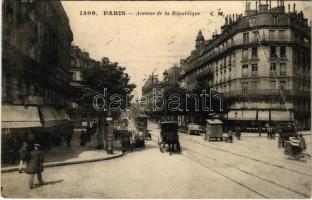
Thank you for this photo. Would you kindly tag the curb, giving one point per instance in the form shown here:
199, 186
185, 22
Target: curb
56, 164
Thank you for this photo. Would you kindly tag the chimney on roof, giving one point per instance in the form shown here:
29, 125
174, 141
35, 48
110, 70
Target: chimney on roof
270, 4
256, 6
288, 8
294, 7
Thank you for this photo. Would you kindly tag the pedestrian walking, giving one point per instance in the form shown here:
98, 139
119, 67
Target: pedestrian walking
69, 136
273, 130
23, 155
83, 138
230, 136
35, 165
88, 134
269, 131
238, 133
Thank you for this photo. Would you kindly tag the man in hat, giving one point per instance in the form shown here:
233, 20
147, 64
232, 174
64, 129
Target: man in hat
23, 153
35, 165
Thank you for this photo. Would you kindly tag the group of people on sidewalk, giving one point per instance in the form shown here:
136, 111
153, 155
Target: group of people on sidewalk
271, 132
85, 136
237, 134
31, 162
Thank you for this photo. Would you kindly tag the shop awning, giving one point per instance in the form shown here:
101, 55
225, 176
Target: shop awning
281, 115
233, 116
53, 117
20, 117
249, 115
61, 114
242, 115
263, 115
49, 119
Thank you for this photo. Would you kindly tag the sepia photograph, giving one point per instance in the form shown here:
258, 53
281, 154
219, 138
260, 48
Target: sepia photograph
156, 99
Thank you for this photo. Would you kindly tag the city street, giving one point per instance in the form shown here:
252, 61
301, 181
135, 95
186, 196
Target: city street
251, 168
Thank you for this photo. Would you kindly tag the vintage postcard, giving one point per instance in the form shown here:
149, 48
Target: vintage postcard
156, 99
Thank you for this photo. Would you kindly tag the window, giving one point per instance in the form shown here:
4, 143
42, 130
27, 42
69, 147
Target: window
246, 38
283, 69
245, 70
282, 85
273, 69
254, 85
245, 54
283, 52
281, 34
254, 67
275, 20
271, 34
273, 52
272, 84
254, 53
245, 87
255, 36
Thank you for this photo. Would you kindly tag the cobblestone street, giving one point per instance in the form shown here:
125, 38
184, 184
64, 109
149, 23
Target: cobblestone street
251, 168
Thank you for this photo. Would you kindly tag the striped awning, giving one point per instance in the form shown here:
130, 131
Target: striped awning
19, 116
282, 115
242, 115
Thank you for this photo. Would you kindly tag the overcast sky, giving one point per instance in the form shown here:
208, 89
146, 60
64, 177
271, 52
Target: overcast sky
143, 44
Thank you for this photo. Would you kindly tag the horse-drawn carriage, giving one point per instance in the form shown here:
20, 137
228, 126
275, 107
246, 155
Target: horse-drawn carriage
286, 130
169, 137
141, 125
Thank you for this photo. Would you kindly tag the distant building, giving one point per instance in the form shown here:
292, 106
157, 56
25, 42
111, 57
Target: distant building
80, 61
261, 64
36, 56
151, 88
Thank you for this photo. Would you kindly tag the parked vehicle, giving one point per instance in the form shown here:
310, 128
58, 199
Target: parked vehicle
193, 129
293, 148
125, 138
286, 130
214, 130
169, 137
141, 124
138, 138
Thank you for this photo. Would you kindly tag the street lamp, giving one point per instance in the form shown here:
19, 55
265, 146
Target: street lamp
165, 74
235, 120
109, 121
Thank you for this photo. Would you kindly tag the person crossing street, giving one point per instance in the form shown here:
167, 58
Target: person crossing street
35, 165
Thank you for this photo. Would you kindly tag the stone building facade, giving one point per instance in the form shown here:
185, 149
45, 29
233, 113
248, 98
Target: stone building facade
36, 58
260, 62
80, 61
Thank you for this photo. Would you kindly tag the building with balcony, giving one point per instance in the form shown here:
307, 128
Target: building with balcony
261, 62
36, 49
81, 61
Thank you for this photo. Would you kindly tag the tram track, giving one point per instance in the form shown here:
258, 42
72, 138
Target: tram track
250, 173
203, 162
248, 157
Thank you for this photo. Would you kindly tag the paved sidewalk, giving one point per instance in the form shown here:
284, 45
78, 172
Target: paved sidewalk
58, 156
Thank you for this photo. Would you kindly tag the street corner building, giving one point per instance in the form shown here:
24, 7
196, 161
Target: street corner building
260, 62
36, 64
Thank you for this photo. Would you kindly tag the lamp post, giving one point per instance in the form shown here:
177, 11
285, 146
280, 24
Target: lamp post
109, 121
165, 74
235, 120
